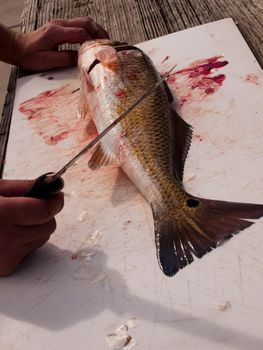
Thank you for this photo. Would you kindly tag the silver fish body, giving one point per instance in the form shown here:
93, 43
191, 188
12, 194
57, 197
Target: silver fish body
151, 146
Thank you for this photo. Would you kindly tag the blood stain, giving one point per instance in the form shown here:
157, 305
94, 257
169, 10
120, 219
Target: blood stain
252, 78
120, 93
196, 81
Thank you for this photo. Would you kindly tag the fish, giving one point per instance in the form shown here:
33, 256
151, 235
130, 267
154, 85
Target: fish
151, 146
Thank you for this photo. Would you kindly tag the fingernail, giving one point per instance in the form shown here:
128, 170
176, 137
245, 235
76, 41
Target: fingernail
94, 26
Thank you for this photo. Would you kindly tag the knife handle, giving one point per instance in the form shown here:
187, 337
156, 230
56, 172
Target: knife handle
45, 186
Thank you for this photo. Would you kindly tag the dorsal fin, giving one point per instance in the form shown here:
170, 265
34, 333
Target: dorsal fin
182, 140
101, 156
86, 87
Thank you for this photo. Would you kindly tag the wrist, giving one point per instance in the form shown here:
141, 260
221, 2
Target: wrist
18, 48
11, 44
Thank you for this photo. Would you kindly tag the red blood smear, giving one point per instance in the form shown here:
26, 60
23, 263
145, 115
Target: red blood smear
59, 137
53, 114
120, 93
252, 78
198, 77
171, 78
209, 90
197, 137
218, 79
207, 81
37, 100
204, 69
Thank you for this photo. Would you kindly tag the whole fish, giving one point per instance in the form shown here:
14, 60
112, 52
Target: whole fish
151, 146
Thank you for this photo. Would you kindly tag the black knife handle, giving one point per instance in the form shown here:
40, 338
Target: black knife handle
45, 186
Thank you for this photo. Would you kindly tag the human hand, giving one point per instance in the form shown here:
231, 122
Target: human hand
25, 223
38, 50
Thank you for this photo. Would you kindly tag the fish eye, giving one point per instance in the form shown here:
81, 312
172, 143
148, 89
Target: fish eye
192, 203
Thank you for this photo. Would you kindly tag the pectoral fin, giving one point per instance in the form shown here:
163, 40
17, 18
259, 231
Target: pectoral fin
86, 87
101, 157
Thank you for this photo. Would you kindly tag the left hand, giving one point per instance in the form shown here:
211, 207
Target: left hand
38, 50
25, 223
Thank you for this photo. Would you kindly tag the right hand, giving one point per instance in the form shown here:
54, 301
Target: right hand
25, 223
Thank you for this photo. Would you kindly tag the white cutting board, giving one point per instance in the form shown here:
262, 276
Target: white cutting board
97, 273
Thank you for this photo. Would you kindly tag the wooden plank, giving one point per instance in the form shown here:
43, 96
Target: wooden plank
6, 116
138, 20
247, 15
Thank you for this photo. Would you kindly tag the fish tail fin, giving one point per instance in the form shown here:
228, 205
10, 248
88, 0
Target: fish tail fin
200, 226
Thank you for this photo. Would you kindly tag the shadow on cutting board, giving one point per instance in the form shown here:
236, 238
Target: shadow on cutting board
55, 290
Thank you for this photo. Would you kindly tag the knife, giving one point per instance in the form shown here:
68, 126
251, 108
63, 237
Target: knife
50, 183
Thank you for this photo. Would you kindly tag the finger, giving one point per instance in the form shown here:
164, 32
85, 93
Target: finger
29, 234
56, 59
10, 262
52, 59
30, 211
12, 188
57, 35
94, 29
36, 244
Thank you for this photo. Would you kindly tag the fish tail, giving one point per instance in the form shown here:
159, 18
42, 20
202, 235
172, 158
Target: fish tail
197, 228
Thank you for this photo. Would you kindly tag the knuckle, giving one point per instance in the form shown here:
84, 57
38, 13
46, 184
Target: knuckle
83, 19
47, 229
50, 28
52, 227
88, 19
52, 206
55, 21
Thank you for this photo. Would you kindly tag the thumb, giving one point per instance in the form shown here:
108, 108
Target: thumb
63, 58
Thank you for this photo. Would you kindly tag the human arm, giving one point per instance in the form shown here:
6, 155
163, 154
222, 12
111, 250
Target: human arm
25, 223
38, 50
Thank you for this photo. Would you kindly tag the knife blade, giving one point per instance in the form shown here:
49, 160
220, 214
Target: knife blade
50, 183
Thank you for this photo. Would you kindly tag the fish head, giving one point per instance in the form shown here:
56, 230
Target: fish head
99, 50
